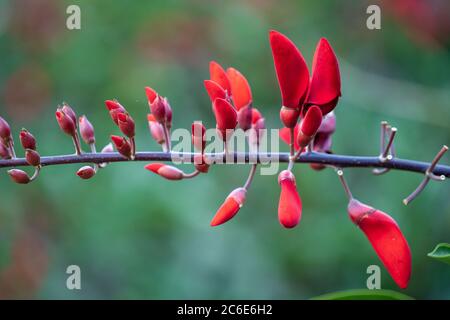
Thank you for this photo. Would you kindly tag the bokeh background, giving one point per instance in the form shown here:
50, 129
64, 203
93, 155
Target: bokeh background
135, 235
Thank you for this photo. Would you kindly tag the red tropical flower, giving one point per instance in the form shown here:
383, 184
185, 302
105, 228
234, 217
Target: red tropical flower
240, 89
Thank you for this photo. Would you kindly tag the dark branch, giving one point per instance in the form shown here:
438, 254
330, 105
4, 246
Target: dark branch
343, 161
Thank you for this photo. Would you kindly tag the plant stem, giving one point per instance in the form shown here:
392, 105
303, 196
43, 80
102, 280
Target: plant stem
251, 175
340, 174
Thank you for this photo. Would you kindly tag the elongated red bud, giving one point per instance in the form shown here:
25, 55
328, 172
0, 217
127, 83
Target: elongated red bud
19, 176
325, 88
200, 163
126, 124
27, 140
158, 109
290, 204
4, 152
289, 116
214, 90
156, 129
86, 130
65, 122
230, 207
5, 130
240, 89
386, 239
226, 117
244, 117
165, 171
33, 158
68, 111
219, 76
309, 126
285, 135
114, 108
291, 69
122, 146
151, 94
86, 172
198, 132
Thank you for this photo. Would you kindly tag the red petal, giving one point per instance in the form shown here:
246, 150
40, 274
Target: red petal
240, 89
386, 239
154, 167
311, 122
218, 75
292, 71
285, 135
151, 118
326, 80
214, 90
226, 211
151, 94
226, 116
290, 204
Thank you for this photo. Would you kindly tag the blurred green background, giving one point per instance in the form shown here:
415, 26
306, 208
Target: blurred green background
135, 235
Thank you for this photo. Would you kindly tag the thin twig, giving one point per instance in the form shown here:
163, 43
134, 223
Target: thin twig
340, 174
385, 154
251, 175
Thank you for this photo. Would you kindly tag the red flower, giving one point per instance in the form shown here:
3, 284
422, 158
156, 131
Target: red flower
290, 204
292, 71
230, 207
70, 113
226, 117
65, 122
126, 124
219, 76
325, 88
214, 90
33, 158
122, 146
114, 108
151, 94
156, 129
309, 126
386, 239
240, 89
86, 130
27, 140
165, 171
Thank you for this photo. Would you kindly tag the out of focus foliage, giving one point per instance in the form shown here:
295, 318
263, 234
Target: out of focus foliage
135, 235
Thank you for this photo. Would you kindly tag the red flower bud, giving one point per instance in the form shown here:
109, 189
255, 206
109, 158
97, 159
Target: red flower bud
86, 172
5, 130
168, 113
198, 132
240, 89
309, 126
285, 135
68, 111
156, 129
292, 71
325, 88
218, 75
214, 90
19, 176
122, 146
328, 125
290, 204
200, 163
256, 115
27, 140
226, 117
126, 124
244, 117
65, 122
151, 94
114, 108
158, 109
33, 158
165, 171
230, 207
4, 152
289, 116
386, 239
86, 130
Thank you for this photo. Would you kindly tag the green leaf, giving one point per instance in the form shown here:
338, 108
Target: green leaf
364, 294
441, 253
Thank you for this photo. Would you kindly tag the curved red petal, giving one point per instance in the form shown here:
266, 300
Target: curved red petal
154, 167
214, 90
386, 238
240, 89
218, 75
311, 122
151, 94
326, 80
226, 116
292, 71
226, 211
